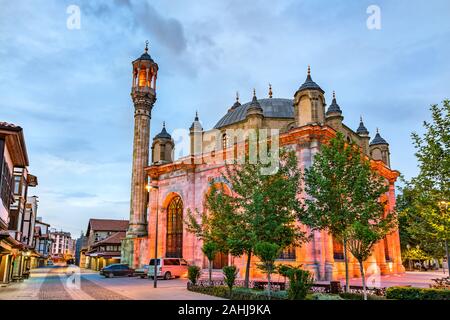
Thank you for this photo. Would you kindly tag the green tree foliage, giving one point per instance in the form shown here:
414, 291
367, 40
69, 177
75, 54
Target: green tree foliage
230, 274
194, 273
210, 250
342, 190
364, 234
300, 281
425, 200
261, 208
267, 252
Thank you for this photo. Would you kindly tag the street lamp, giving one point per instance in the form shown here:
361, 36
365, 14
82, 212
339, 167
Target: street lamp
443, 205
155, 274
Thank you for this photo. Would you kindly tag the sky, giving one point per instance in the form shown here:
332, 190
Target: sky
69, 88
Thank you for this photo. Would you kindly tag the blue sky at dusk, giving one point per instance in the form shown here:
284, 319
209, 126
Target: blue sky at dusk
70, 89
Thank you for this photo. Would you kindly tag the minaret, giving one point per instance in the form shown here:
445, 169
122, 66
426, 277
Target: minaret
143, 94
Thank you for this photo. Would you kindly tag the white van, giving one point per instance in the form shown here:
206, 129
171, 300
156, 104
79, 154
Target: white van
168, 268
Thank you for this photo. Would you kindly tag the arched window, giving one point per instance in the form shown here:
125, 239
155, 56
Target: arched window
224, 141
338, 250
174, 239
386, 250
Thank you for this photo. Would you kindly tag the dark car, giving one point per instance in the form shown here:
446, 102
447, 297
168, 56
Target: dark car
117, 270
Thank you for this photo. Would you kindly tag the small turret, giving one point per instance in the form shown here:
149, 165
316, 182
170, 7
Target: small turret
334, 116
309, 103
255, 113
379, 149
364, 135
162, 147
196, 136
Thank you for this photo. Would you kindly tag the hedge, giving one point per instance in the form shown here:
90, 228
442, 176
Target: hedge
359, 296
410, 293
237, 293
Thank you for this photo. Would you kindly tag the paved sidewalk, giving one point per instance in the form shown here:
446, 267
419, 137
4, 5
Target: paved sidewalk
70, 283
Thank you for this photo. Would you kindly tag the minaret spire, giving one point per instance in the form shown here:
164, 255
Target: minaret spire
146, 46
270, 91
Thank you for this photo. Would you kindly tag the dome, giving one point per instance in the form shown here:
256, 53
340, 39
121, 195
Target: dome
309, 84
271, 107
145, 56
378, 140
362, 130
334, 107
163, 134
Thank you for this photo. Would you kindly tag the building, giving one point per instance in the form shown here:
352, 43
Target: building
42, 243
16, 227
103, 243
62, 247
80, 244
303, 123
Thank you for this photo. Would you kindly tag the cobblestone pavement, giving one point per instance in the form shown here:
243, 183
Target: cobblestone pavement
52, 288
70, 283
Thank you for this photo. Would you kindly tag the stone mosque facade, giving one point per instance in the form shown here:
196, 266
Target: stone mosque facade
304, 123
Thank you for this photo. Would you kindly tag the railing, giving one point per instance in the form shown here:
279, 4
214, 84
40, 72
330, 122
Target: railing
280, 286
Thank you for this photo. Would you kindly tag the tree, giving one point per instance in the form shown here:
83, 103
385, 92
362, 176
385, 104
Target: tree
267, 252
342, 189
433, 181
417, 237
364, 234
230, 274
300, 281
210, 250
262, 208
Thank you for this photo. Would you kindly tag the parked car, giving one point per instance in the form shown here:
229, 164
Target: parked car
117, 270
168, 268
49, 263
142, 272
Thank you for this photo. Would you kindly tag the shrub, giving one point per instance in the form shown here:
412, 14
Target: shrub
193, 274
300, 281
323, 296
411, 293
230, 274
237, 293
359, 296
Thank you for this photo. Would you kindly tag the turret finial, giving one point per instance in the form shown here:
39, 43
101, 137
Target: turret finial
360, 119
254, 93
146, 46
378, 130
237, 96
270, 91
334, 94
164, 124
309, 70
196, 115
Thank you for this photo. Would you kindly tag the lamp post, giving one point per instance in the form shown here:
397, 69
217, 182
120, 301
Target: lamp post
443, 205
155, 274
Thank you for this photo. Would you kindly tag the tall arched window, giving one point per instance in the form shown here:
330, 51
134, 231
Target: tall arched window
174, 240
338, 250
225, 141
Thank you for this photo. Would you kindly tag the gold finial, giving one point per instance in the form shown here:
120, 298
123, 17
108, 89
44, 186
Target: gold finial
270, 91
237, 96
309, 70
146, 46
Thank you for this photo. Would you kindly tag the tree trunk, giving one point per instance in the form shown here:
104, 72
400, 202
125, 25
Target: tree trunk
347, 284
363, 277
210, 272
247, 269
448, 257
268, 283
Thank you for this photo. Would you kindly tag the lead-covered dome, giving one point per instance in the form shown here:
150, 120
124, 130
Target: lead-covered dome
272, 108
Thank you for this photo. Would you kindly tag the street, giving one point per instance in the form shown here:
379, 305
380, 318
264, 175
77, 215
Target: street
59, 283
